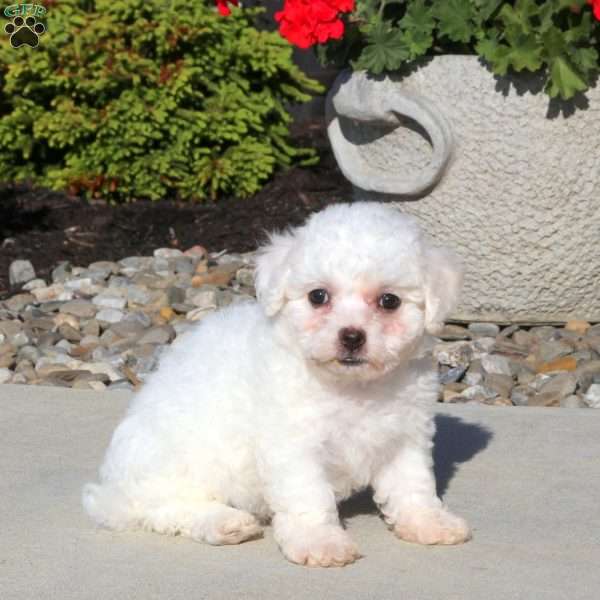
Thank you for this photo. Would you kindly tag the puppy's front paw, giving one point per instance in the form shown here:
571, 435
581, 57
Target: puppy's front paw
320, 546
432, 526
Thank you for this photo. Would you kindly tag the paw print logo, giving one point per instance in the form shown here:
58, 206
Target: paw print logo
24, 31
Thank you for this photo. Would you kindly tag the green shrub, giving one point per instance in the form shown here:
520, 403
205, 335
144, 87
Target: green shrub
142, 99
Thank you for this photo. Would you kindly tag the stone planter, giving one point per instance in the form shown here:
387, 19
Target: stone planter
489, 167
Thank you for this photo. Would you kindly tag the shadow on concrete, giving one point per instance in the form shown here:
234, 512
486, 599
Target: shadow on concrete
359, 504
456, 441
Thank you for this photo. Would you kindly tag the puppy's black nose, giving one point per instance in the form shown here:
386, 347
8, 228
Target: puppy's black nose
351, 338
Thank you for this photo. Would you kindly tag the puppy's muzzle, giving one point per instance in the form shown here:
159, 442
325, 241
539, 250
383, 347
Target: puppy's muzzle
352, 339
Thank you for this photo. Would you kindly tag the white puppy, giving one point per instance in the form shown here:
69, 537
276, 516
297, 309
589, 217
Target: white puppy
279, 409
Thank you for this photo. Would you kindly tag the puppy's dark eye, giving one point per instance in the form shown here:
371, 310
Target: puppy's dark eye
318, 297
389, 301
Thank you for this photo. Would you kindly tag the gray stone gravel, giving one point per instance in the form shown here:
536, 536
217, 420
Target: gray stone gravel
521, 366
105, 326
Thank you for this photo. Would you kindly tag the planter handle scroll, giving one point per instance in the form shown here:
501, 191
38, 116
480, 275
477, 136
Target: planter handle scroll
356, 97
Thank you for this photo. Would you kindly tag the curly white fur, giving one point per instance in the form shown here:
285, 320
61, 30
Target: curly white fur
264, 412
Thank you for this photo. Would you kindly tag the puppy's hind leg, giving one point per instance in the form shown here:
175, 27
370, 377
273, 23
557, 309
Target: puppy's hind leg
110, 506
191, 516
219, 524
211, 522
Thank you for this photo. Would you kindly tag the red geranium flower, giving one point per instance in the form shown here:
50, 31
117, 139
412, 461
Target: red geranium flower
223, 8
596, 6
308, 22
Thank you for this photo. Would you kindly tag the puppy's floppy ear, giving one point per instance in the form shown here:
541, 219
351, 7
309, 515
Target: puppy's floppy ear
442, 286
272, 271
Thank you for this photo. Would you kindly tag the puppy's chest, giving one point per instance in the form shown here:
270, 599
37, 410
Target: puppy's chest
357, 444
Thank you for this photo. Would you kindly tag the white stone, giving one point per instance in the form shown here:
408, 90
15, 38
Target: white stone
521, 395
198, 314
473, 378
496, 363
138, 318
20, 339
167, 253
572, 401
34, 284
133, 264
539, 380
89, 340
102, 367
79, 308
118, 281
483, 346
52, 293
20, 271
137, 294
29, 353
108, 300
592, 396
109, 315
245, 276
202, 298
157, 335
64, 318
563, 385
477, 392
64, 345
484, 329
97, 386
47, 366
5, 375
105, 267
161, 266
78, 284
454, 354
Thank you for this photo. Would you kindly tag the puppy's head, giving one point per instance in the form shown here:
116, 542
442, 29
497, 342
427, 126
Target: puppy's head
356, 287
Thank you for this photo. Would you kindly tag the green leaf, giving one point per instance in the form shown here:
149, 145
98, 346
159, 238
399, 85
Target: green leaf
581, 32
519, 17
525, 53
526, 47
417, 42
498, 55
455, 19
418, 17
386, 49
487, 7
367, 9
564, 80
417, 26
586, 60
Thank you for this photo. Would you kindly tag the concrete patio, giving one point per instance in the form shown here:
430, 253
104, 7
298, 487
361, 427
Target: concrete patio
527, 479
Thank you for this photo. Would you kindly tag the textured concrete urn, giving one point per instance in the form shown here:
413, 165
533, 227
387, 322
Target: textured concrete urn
489, 167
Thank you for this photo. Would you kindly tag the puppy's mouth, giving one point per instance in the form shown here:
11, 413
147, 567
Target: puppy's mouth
351, 361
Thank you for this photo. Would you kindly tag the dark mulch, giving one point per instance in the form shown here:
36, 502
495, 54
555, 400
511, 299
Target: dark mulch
48, 227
